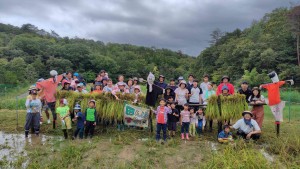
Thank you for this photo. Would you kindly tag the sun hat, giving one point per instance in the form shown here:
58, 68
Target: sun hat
64, 82
32, 88
77, 107
247, 112
225, 77
92, 101
121, 84
161, 76
76, 74
63, 101
137, 87
182, 82
98, 84
180, 78
53, 73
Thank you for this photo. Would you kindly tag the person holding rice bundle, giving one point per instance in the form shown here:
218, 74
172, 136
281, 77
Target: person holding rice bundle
34, 110
90, 119
64, 113
257, 110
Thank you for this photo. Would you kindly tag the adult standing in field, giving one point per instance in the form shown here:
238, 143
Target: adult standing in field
205, 83
258, 110
172, 84
195, 95
225, 82
181, 95
190, 82
161, 82
49, 87
34, 110
244, 90
247, 128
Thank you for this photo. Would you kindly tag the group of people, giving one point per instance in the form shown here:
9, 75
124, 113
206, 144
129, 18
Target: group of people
179, 104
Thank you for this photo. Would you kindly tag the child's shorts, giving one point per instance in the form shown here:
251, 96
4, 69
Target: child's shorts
172, 126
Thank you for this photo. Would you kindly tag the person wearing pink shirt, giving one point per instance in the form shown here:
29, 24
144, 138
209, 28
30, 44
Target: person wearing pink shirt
49, 90
225, 82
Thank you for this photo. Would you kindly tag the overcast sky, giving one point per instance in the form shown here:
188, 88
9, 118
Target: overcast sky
175, 24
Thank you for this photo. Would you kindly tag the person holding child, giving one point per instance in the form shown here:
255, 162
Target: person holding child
162, 112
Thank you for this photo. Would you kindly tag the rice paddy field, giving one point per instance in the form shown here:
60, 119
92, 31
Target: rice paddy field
135, 148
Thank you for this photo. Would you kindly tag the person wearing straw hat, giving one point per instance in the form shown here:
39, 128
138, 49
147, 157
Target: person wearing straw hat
34, 110
80, 118
256, 99
247, 128
181, 94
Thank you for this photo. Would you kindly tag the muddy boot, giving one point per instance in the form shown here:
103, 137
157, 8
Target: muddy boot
26, 134
65, 134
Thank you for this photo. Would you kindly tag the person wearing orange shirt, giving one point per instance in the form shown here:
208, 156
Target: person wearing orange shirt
98, 88
49, 87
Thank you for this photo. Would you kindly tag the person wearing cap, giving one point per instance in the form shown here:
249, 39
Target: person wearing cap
195, 94
181, 95
225, 135
64, 113
256, 99
98, 88
130, 86
162, 112
34, 111
173, 85
75, 81
169, 93
90, 119
161, 82
109, 87
80, 118
66, 85
180, 78
205, 83
80, 89
245, 90
225, 91
225, 82
208, 93
247, 128
48, 88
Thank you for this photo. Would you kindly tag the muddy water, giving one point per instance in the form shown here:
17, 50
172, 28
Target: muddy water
12, 148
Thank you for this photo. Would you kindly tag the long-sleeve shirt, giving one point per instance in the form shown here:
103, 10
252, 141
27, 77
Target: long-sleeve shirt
33, 106
162, 114
49, 88
273, 92
230, 87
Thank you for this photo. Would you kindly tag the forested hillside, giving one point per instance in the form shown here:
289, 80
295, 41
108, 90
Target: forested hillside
267, 45
28, 53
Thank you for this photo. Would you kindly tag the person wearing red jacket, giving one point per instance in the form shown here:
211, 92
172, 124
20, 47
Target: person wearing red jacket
225, 82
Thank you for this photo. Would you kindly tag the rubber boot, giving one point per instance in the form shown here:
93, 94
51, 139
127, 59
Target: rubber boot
277, 128
65, 134
53, 124
26, 134
182, 136
187, 136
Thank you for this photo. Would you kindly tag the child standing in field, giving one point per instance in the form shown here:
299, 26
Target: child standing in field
193, 122
201, 120
257, 110
90, 119
80, 118
172, 119
161, 119
225, 136
64, 113
34, 107
185, 121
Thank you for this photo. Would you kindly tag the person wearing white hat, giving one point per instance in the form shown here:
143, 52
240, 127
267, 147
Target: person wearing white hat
181, 94
80, 89
80, 118
48, 88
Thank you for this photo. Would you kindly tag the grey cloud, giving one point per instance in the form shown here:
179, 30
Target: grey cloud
174, 24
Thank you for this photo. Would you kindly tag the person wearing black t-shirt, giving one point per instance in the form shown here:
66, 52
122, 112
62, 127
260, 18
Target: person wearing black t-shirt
245, 90
172, 120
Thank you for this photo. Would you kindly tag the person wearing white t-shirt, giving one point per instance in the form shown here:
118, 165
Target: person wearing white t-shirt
247, 127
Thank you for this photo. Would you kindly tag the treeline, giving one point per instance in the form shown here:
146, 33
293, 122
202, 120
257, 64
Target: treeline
267, 45
28, 53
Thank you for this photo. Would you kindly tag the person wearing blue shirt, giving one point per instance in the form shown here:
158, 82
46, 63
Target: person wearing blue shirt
161, 82
225, 136
80, 118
